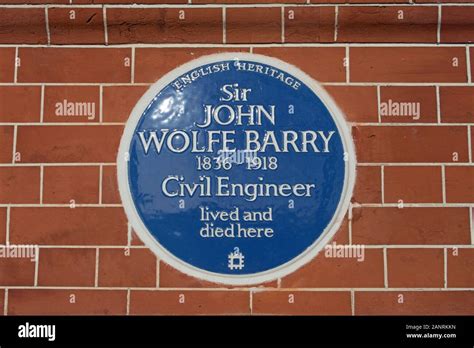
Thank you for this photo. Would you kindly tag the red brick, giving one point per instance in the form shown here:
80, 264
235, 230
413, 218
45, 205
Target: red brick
322, 63
6, 144
249, 2
128, 2
119, 101
457, 104
172, 278
7, 64
301, 303
413, 184
19, 184
253, 25
414, 303
457, 24
332, 272
309, 24
368, 187
34, 1
67, 144
402, 97
68, 103
387, 24
17, 271
342, 234
66, 226
74, 25
135, 239
460, 265
359, 103
3, 226
164, 25
407, 64
23, 25
127, 268
82, 65
56, 265
410, 144
432, 226
66, 184
415, 268
356, 1
110, 191
460, 184
153, 63
471, 54
20, 103
57, 302
195, 302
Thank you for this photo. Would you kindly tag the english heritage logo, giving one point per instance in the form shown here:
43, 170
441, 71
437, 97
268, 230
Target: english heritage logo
236, 168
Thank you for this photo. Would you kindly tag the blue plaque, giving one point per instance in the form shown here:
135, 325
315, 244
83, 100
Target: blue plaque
236, 168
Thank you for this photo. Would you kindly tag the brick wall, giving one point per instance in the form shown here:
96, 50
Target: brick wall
413, 203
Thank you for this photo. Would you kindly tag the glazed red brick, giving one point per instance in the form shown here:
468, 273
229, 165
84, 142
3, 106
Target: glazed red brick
460, 264
56, 265
129, 1
401, 226
20, 184
119, 101
110, 192
13, 107
77, 143
325, 64
414, 302
189, 302
359, 103
6, 144
413, 184
387, 24
457, 24
457, 104
71, 104
368, 186
7, 64
253, 25
127, 268
75, 25
301, 302
68, 226
415, 268
309, 24
408, 104
410, 144
23, 26
164, 25
152, 63
65, 302
408, 64
331, 272
460, 184
17, 271
81, 65
66, 184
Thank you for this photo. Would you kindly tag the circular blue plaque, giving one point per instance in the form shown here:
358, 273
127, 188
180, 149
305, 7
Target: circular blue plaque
236, 168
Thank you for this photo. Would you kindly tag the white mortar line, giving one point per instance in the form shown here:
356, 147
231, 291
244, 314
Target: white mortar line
348, 64
282, 23
438, 29
15, 135
101, 104
106, 33
385, 268
46, 16
352, 302
251, 301
468, 64
96, 275
17, 60
469, 143
382, 183
471, 218
5, 303
438, 104
224, 24
336, 22
41, 183
157, 273
42, 103
128, 301
7, 232
101, 174
443, 183
379, 117
37, 266
445, 252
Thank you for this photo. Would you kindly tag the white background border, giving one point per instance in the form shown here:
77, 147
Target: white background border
247, 279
